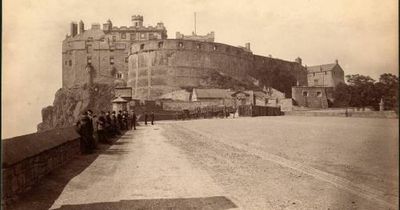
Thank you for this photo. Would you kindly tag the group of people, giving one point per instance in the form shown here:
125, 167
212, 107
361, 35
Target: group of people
106, 125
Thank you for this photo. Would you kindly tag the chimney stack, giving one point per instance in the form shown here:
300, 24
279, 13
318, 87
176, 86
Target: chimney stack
247, 45
298, 60
337, 61
74, 29
81, 27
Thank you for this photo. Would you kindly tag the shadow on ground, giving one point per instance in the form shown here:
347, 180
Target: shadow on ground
211, 203
44, 193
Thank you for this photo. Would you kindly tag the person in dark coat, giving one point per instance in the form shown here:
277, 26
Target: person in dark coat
145, 118
119, 118
92, 143
83, 127
114, 124
109, 132
133, 120
125, 120
101, 127
152, 117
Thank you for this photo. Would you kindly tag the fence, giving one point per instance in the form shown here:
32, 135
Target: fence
253, 111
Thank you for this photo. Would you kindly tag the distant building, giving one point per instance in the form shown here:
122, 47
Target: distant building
322, 80
205, 38
313, 97
101, 55
210, 94
327, 75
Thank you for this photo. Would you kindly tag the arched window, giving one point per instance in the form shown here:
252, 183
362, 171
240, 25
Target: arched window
180, 44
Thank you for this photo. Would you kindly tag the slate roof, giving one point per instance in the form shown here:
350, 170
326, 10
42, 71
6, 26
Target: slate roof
320, 68
212, 93
96, 34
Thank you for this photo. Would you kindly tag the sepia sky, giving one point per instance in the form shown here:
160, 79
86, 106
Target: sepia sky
362, 34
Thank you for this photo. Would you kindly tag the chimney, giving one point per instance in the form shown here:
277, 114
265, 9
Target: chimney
81, 27
74, 29
247, 45
298, 60
337, 61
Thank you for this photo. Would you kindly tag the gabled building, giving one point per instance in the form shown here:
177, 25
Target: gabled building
326, 75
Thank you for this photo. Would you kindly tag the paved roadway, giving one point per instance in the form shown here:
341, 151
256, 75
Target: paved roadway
246, 163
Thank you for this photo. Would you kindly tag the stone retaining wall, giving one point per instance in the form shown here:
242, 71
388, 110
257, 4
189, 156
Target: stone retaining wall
28, 158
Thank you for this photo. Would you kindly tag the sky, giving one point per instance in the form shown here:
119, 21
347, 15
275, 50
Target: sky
361, 34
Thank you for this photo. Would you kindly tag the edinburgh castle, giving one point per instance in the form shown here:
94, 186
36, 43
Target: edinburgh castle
142, 60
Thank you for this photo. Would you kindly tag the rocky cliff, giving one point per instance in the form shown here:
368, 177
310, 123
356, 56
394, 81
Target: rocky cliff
69, 102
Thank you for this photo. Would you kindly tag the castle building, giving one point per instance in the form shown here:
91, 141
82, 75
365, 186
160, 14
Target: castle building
327, 75
157, 67
100, 55
322, 80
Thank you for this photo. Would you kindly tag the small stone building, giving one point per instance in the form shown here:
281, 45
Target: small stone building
313, 97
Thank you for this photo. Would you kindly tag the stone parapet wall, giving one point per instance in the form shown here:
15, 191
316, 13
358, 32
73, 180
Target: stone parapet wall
27, 159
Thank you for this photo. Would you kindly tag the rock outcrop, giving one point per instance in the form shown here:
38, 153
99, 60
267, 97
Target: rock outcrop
70, 102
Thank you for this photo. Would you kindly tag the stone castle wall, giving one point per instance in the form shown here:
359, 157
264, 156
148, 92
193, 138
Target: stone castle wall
160, 66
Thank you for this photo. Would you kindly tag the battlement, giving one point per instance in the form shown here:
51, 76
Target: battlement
189, 45
137, 17
206, 38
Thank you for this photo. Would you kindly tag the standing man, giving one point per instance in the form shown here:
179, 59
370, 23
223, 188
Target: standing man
133, 122
145, 117
91, 130
120, 122
108, 125
83, 127
101, 126
152, 117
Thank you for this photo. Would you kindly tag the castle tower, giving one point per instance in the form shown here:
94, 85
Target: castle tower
74, 29
137, 20
81, 27
107, 26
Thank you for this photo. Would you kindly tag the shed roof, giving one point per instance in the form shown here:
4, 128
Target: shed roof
119, 100
212, 93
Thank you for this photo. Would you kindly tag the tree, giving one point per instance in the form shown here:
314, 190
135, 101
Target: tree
362, 90
388, 87
342, 95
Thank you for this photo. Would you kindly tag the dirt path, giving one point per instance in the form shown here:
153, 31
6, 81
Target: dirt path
260, 180
186, 165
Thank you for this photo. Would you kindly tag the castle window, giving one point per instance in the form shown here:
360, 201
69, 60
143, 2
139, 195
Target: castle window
70, 62
133, 37
119, 75
160, 44
319, 94
142, 46
326, 73
180, 44
151, 36
66, 62
313, 74
305, 93
198, 46
89, 60
215, 47
111, 59
123, 35
114, 38
142, 35
126, 59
